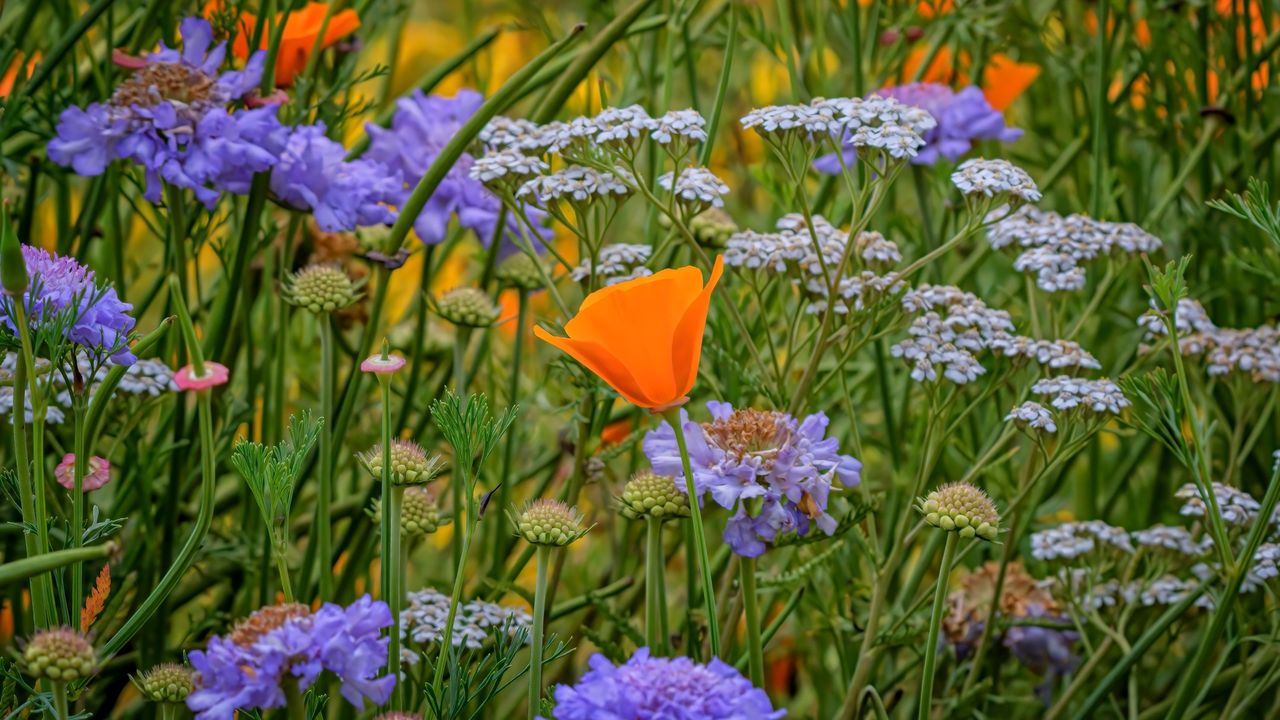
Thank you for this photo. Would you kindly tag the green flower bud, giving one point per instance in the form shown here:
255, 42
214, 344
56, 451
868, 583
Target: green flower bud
962, 508
410, 464
549, 522
13, 267
712, 227
468, 307
320, 289
419, 514
59, 654
649, 495
167, 683
520, 271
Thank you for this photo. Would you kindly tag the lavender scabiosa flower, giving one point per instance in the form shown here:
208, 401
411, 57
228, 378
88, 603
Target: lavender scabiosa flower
246, 669
63, 293
173, 117
789, 465
420, 129
962, 118
647, 688
313, 174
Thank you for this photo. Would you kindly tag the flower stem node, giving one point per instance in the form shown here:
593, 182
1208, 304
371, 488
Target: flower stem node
962, 508
651, 495
549, 522
468, 307
321, 289
59, 654
410, 463
166, 683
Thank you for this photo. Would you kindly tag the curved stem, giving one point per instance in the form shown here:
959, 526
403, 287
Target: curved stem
935, 623
699, 535
539, 624
751, 607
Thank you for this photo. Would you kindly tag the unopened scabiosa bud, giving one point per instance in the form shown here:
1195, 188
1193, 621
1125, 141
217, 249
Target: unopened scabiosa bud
166, 683
410, 464
59, 654
521, 272
419, 514
468, 307
549, 522
650, 495
961, 507
712, 227
320, 289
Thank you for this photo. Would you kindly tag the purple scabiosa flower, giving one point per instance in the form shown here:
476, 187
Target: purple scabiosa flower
648, 688
741, 455
172, 117
1045, 651
963, 117
246, 669
63, 292
313, 174
421, 127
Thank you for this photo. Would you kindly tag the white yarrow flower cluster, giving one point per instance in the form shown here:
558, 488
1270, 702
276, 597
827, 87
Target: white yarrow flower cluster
1166, 590
1266, 565
1055, 247
616, 263
422, 620
1237, 507
1072, 540
506, 167
696, 185
504, 133
1253, 351
575, 184
875, 249
951, 327
1097, 396
1032, 415
881, 126
1170, 537
995, 179
1056, 354
679, 126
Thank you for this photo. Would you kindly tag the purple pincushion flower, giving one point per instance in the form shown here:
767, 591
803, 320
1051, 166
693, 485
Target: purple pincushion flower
172, 118
962, 117
788, 466
247, 668
313, 174
62, 291
1043, 650
649, 688
420, 129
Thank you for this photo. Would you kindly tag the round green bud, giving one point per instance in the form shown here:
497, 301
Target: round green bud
167, 683
468, 307
59, 654
520, 271
657, 496
320, 289
419, 513
963, 508
712, 227
549, 522
410, 464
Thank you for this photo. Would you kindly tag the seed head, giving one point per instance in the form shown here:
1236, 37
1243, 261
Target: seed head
468, 307
650, 495
520, 271
712, 227
410, 464
59, 654
419, 513
320, 289
549, 522
961, 507
166, 683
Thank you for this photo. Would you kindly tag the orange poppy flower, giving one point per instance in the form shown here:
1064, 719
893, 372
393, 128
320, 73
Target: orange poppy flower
10, 76
616, 431
300, 31
1003, 78
643, 336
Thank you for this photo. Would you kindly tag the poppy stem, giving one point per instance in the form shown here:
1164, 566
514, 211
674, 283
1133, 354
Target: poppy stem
672, 416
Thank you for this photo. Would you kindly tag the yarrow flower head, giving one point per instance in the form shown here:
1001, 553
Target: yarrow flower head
648, 495
1172, 538
64, 295
166, 683
696, 188
97, 474
962, 508
1072, 540
998, 180
1032, 415
247, 668
423, 619
576, 185
1100, 397
410, 463
549, 522
174, 117
790, 466
59, 654
646, 688
615, 263
1236, 506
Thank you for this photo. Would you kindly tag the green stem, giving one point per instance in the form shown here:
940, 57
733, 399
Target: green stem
40, 510
60, 701
935, 623
324, 496
18, 419
77, 497
389, 510
539, 624
454, 600
699, 535
29, 567
461, 337
281, 555
751, 607
394, 598
654, 564
499, 548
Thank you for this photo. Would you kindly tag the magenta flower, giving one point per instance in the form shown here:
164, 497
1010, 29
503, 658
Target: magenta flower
214, 374
382, 364
98, 474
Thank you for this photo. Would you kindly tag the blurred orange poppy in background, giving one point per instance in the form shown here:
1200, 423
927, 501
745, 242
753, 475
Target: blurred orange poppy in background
643, 337
301, 29
10, 76
1003, 78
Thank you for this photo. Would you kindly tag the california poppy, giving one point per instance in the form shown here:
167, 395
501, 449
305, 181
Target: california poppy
643, 336
300, 31
1003, 78
10, 76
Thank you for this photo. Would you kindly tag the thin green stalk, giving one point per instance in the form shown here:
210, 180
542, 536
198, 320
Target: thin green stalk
935, 623
539, 624
509, 449
76, 540
395, 598
60, 701
699, 535
18, 420
29, 567
654, 563
461, 338
751, 607
324, 494
388, 530
38, 406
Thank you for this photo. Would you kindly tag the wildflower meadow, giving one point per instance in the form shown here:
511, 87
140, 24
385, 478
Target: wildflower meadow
640, 360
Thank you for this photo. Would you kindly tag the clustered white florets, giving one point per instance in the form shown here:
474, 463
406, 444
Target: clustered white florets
1032, 415
1069, 541
995, 179
1097, 396
1237, 507
696, 185
616, 263
1255, 351
883, 126
1054, 247
575, 184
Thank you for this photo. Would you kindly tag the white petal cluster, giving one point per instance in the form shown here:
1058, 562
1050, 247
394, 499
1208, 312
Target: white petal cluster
1252, 351
874, 124
616, 263
506, 166
1237, 507
696, 185
1166, 590
875, 249
951, 327
504, 133
422, 620
1072, 540
1056, 354
854, 293
1174, 538
1032, 415
1098, 396
575, 184
995, 178
677, 125
1055, 247
1266, 565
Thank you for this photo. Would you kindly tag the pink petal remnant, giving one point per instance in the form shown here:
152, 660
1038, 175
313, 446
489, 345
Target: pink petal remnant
214, 374
120, 58
382, 364
256, 100
97, 475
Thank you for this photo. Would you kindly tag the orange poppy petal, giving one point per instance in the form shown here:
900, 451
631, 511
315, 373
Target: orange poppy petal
1005, 79
686, 351
600, 361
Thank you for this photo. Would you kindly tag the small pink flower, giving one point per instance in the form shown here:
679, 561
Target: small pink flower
382, 364
214, 374
97, 474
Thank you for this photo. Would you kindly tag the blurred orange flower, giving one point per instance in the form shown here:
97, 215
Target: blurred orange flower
643, 337
1003, 78
10, 76
300, 32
